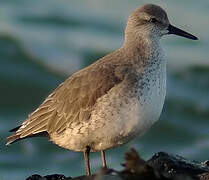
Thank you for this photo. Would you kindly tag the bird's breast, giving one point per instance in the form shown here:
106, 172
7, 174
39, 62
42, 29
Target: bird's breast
150, 96
129, 110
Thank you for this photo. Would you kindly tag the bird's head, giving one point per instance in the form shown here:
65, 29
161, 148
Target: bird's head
151, 21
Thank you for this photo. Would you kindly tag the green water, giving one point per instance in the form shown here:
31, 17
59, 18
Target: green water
44, 41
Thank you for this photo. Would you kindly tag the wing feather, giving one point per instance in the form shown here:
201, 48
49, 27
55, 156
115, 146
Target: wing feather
77, 96
71, 101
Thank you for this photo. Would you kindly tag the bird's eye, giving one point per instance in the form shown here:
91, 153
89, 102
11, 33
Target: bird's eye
153, 20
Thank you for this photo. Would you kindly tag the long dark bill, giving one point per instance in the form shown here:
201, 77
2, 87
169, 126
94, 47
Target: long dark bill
179, 32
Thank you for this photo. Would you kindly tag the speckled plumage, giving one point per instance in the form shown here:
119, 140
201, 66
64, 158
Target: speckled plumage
130, 107
109, 102
113, 100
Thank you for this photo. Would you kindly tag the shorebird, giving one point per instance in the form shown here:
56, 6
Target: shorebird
114, 99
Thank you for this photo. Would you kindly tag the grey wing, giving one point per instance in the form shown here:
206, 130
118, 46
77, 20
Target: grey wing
71, 101
76, 97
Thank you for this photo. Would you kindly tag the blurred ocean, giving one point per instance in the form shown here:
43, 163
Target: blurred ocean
44, 41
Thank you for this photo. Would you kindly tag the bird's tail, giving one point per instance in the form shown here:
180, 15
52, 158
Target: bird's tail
11, 139
34, 125
16, 137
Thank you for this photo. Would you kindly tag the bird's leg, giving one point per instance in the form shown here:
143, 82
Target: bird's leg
86, 158
104, 165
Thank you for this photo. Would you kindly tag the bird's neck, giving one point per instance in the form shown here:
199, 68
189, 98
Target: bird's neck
144, 47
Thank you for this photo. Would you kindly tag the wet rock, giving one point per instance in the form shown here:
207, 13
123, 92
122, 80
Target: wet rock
162, 166
48, 177
171, 165
34, 177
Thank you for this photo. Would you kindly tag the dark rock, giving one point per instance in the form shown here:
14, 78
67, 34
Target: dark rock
171, 165
34, 177
136, 168
56, 177
162, 166
48, 177
206, 163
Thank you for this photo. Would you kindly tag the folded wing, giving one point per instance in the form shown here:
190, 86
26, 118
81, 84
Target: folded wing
70, 101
